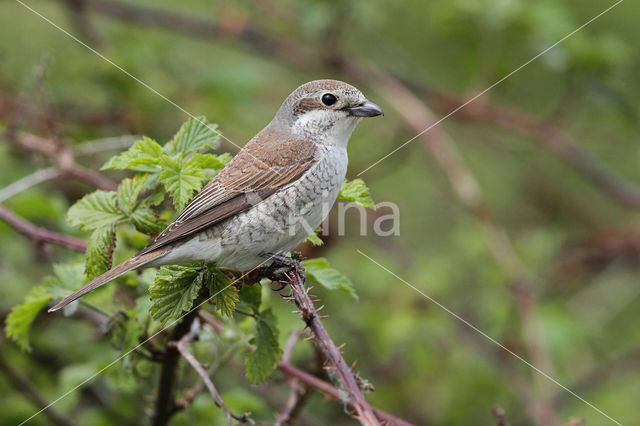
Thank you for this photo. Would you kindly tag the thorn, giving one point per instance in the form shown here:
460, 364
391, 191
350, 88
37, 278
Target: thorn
341, 346
297, 311
309, 289
308, 339
319, 309
323, 316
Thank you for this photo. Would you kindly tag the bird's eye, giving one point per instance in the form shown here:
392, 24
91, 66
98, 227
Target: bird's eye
328, 99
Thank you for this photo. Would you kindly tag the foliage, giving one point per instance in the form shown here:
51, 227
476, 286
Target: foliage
577, 241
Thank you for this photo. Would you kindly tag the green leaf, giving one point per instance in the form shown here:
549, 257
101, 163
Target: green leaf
356, 192
321, 272
251, 296
143, 156
194, 135
146, 221
210, 161
99, 251
129, 191
173, 291
314, 239
181, 179
264, 358
21, 317
67, 277
96, 210
223, 293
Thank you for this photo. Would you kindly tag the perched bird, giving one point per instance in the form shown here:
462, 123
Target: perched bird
271, 196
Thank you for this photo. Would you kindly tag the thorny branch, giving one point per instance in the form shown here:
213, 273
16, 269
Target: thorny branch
295, 278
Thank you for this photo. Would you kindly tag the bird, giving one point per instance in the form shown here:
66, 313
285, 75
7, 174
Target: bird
276, 190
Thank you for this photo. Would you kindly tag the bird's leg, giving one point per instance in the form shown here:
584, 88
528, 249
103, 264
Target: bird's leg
281, 266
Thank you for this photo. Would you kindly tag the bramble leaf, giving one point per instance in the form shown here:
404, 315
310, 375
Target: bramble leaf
210, 161
263, 359
67, 277
21, 317
96, 210
251, 296
129, 191
223, 293
314, 239
99, 251
146, 221
357, 192
194, 135
173, 291
320, 271
143, 156
181, 179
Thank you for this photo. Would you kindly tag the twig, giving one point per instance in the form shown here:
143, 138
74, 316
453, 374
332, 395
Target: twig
39, 234
164, 407
52, 149
332, 392
27, 182
470, 195
28, 390
310, 317
105, 144
181, 345
297, 393
556, 139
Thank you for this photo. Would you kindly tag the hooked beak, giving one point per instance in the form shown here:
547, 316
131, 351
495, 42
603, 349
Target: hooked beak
366, 109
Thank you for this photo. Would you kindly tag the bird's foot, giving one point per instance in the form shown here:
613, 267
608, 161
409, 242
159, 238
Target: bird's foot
279, 270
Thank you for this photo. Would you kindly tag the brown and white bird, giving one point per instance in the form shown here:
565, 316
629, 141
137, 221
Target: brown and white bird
271, 196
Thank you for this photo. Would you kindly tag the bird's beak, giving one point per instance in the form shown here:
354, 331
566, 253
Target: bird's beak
365, 109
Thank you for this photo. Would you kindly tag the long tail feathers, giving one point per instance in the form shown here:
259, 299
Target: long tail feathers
126, 266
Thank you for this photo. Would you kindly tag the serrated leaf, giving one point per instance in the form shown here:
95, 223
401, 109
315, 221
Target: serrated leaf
146, 221
96, 210
223, 293
67, 277
99, 251
251, 296
21, 317
264, 358
320, 271
314, 239
181, 179
143, 156
210, 161
357, 192
173, 291
194, 135
129, 191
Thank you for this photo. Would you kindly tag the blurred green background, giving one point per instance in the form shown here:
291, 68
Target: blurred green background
565, 297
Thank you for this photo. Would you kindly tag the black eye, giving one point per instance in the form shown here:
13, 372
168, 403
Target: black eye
328, 99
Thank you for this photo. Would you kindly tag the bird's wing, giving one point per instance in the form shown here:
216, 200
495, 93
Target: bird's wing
266, 164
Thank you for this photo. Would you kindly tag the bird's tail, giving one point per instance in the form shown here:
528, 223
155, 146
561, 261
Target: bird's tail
126, 266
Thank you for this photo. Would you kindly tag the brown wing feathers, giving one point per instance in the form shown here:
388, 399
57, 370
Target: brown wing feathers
268, 163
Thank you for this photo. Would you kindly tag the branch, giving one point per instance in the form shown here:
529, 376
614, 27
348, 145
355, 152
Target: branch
52, 149
181, 345
553, 137
309, 315
297, 393
28, 390
21, 185
332, 392
165, 405
39, 234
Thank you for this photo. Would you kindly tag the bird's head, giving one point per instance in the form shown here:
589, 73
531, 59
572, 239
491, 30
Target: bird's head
325, 111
